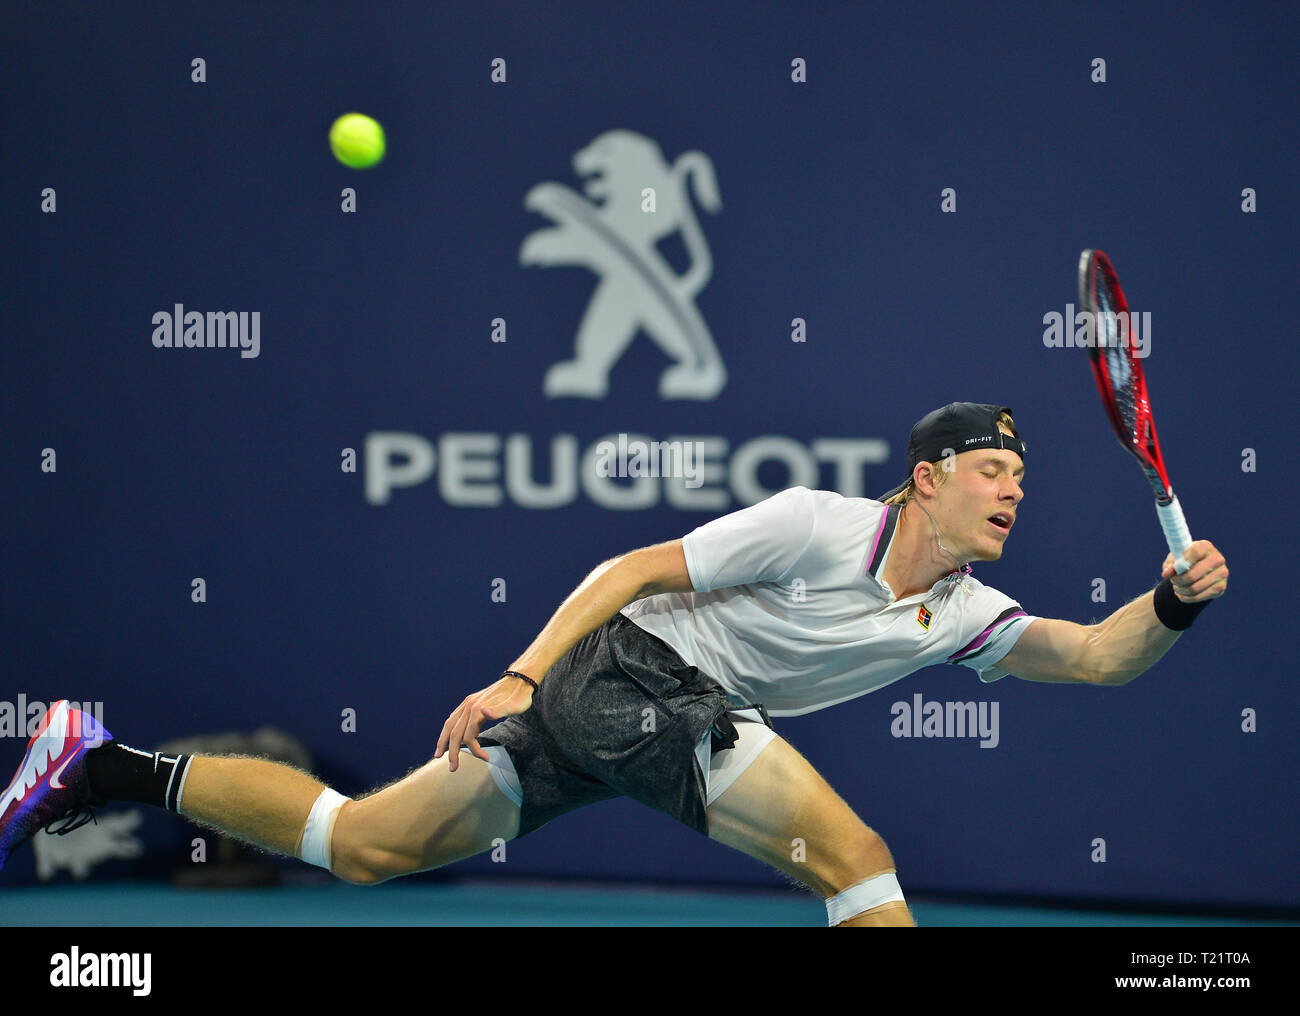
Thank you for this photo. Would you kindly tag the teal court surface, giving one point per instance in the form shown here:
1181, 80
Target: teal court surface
519, 904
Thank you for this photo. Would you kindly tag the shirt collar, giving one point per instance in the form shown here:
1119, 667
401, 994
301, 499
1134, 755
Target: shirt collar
885, 540
884, 537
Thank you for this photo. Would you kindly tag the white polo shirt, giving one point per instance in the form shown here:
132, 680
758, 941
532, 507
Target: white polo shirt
790, 609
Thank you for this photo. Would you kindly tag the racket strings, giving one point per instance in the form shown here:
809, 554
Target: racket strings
1116, 349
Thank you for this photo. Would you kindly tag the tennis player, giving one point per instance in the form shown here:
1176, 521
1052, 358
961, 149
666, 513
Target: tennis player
656, 679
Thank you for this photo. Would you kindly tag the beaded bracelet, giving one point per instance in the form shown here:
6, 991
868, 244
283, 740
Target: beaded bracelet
522, 677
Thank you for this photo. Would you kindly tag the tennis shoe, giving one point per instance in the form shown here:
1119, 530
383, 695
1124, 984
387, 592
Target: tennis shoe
51, 785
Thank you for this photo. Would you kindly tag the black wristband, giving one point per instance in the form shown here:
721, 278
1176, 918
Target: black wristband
522, 677
1173, 613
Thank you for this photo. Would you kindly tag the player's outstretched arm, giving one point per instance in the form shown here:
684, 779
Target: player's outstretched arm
1128, 642
607, 590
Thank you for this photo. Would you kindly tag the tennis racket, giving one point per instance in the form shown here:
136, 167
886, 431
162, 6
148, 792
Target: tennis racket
1123, 388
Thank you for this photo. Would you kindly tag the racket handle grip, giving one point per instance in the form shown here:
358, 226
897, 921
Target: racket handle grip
1176, 534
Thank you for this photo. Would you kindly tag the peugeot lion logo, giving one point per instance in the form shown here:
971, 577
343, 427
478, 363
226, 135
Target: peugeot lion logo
637, 199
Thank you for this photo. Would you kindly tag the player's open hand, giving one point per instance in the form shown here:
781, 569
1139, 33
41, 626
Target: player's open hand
1206, 579
507, 697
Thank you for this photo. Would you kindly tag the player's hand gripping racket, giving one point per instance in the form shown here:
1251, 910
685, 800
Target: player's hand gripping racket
1123, 387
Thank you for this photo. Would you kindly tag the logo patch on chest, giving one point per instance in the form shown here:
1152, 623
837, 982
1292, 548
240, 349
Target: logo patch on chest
924, 617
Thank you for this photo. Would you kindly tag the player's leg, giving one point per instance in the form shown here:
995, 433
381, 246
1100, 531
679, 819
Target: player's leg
429, 818
781, 811
259, 802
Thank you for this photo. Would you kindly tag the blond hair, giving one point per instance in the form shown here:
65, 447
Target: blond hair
905, 495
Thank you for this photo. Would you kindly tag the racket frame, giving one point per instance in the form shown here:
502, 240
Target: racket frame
1140, 440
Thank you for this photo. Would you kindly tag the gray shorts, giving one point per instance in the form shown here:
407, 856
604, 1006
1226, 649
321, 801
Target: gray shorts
620, 714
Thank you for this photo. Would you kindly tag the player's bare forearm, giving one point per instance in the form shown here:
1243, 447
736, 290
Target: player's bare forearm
610, 587
1128, 642
1133, 638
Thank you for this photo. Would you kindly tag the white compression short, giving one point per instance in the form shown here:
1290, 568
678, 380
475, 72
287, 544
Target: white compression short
721, 769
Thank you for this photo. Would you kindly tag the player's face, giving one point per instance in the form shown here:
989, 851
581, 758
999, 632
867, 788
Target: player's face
979, 502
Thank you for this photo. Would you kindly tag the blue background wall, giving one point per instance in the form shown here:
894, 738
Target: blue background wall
223, 196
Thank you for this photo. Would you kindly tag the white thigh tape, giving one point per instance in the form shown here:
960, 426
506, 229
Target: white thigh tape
316, 837
864, 896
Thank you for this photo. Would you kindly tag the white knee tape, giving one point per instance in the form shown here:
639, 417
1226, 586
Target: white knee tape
867, 895
316, 837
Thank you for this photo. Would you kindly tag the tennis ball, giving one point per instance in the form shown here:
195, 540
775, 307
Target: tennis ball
357, 141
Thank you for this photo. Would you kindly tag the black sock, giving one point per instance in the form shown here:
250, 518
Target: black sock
119, 773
